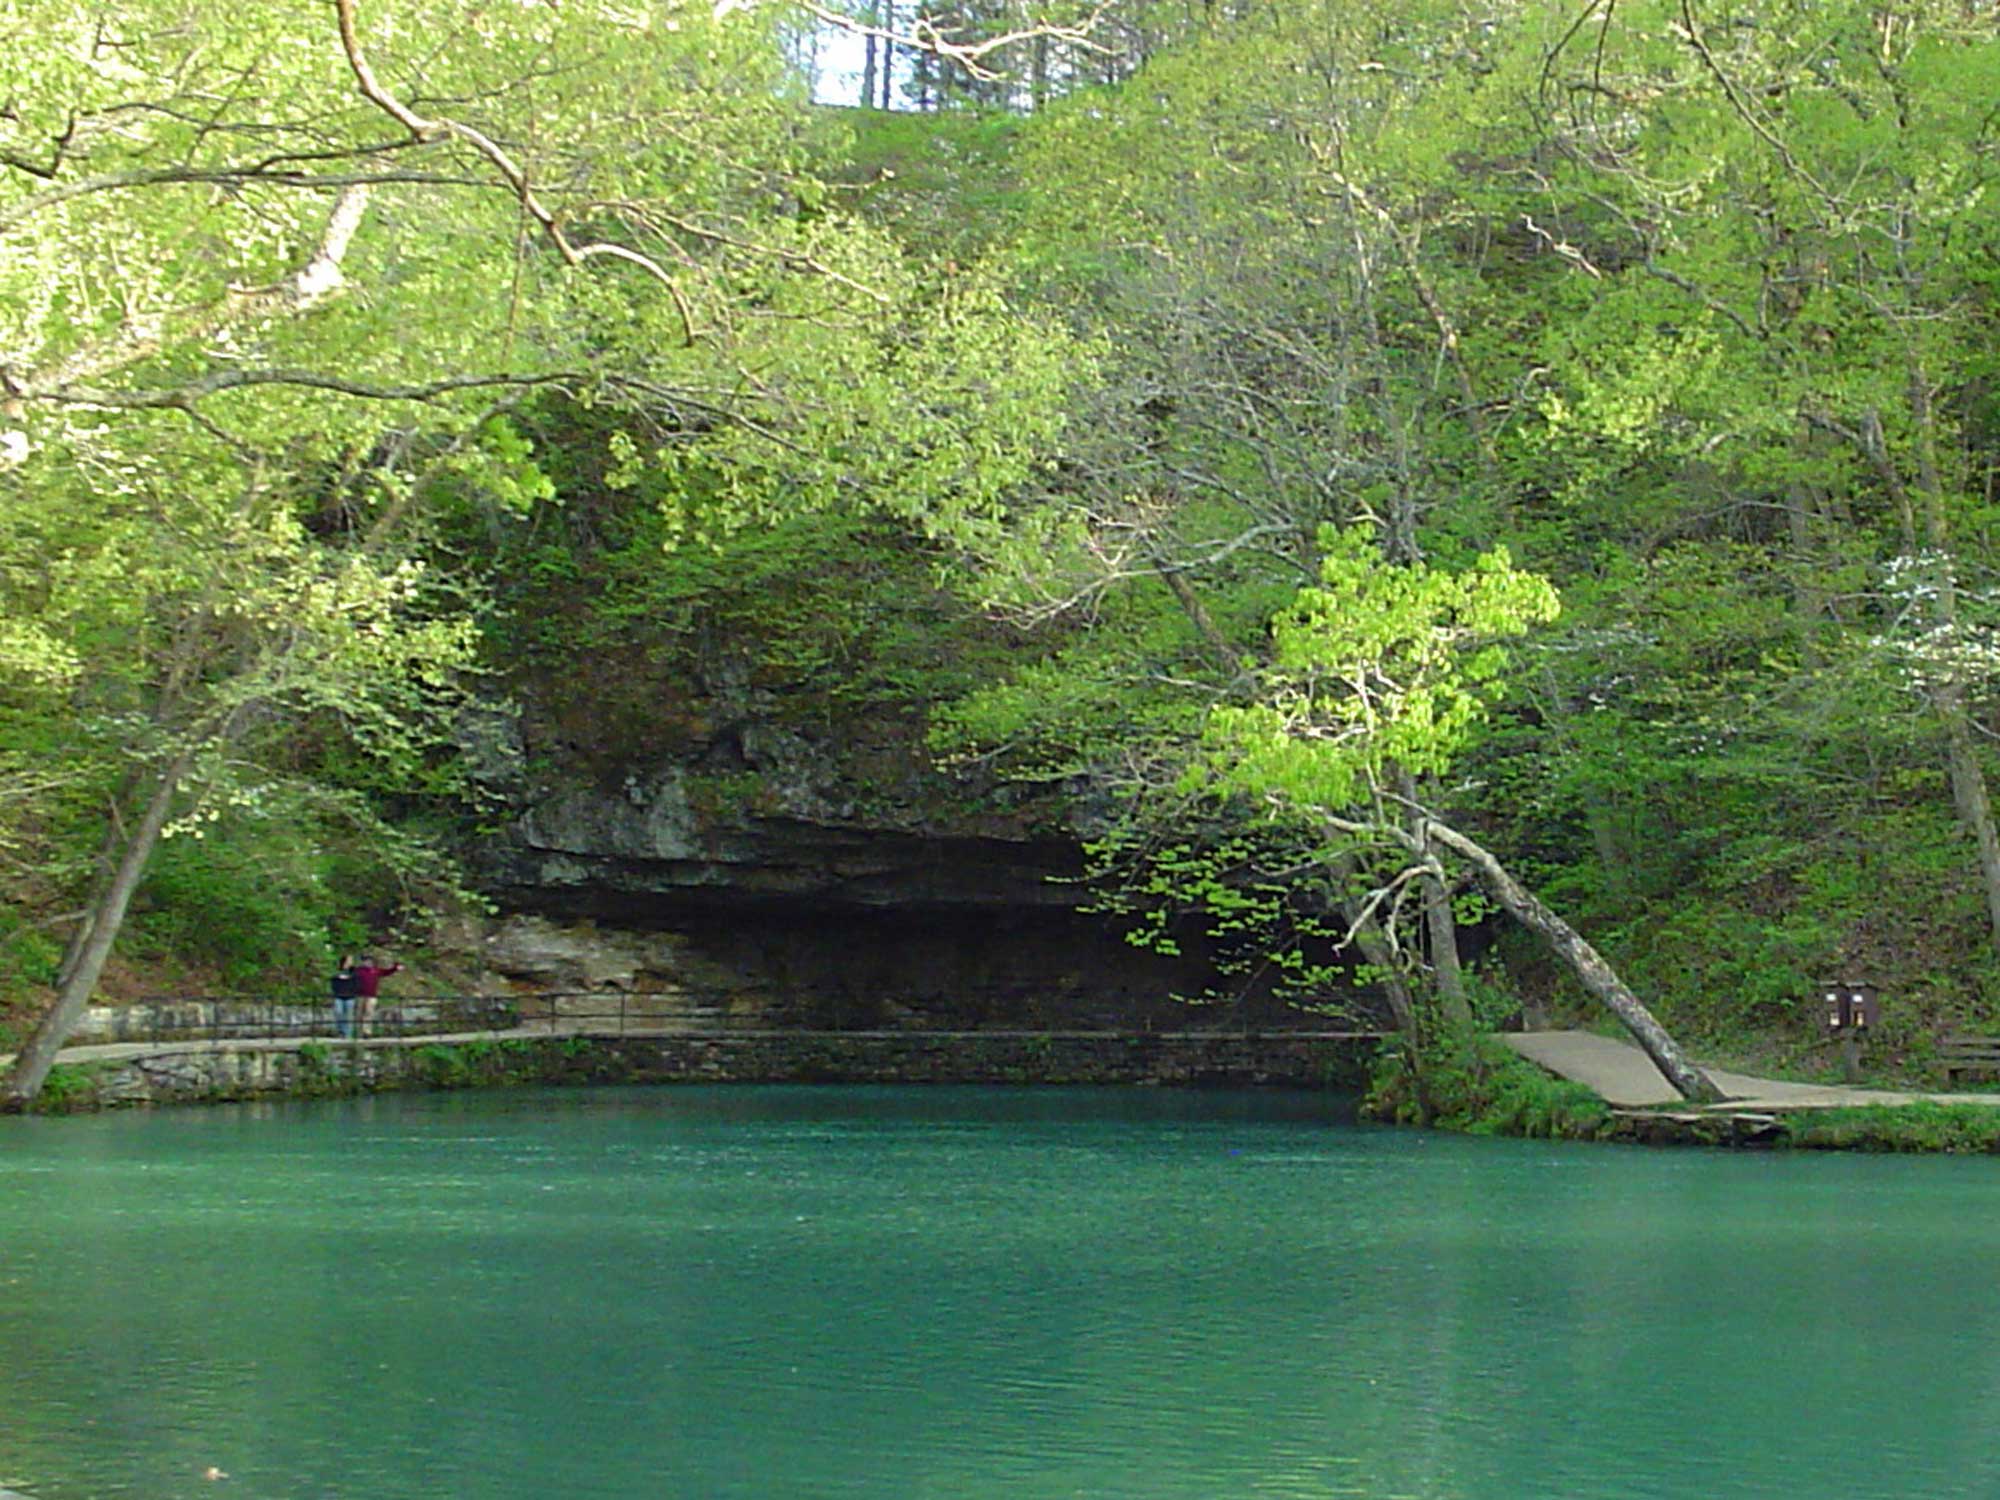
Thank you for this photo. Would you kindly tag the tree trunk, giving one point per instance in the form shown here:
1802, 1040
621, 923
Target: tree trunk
1588, 965
1440, 927
1807, 568
888, 50
1969, 797
1402, 1004
1376, 951
1968, 778
106, 917
1227, 658
107, 854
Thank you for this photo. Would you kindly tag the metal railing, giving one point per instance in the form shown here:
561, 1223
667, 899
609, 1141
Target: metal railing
282, 1017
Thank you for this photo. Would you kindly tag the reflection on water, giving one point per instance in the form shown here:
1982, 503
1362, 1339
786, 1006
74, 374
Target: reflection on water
776, 1293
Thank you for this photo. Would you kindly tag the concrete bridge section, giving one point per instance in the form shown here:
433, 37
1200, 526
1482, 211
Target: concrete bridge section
1626, 1079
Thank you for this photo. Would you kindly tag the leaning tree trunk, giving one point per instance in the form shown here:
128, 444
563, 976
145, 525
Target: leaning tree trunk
106, 916
1588, 965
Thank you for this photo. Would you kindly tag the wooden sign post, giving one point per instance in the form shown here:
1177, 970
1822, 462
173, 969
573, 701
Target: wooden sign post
1849, 1009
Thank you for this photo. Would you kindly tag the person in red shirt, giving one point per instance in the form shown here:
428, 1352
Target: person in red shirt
368, 977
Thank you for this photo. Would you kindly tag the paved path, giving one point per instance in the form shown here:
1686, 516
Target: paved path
1626, 1077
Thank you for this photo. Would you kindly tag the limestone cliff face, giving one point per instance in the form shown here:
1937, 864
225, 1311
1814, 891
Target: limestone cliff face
760, 875
623, 851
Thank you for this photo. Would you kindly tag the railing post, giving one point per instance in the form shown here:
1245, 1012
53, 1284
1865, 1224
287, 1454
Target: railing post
621, 1015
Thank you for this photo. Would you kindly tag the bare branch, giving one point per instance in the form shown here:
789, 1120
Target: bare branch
185, 395
924, 35
426, 131
1448, 340
143, 336
1682, 284
793, 258
1692, 30
228, 177
1563, 248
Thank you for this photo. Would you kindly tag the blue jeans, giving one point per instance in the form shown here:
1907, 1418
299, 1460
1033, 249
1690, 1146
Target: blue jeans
343, 1014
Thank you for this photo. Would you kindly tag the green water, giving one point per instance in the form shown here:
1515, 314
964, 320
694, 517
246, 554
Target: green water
778, 1293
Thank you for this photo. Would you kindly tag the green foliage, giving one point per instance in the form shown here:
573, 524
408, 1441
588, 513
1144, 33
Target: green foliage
933, 417
1382, 665
1090, 698
832, 602
252, 903
443, 1066
266, 899
943, 179
1259, 899
1244, 383
1920, 1126
459, 1065
28, 955
70, 1088
816, 630
1474, 1084
260, 413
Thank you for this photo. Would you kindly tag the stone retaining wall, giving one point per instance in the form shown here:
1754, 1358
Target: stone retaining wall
194, 1074
198, 1020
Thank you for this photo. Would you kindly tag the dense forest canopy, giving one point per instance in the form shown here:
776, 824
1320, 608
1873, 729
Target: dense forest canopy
1380, 462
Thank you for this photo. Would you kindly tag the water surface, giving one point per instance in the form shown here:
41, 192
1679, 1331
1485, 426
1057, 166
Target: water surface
763, 1294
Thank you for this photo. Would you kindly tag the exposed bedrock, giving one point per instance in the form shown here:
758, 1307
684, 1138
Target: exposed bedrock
613, 854
786, 904
742, 852
823, 968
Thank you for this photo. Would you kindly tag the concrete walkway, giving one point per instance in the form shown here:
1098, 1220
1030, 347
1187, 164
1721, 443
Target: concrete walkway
1626, 1078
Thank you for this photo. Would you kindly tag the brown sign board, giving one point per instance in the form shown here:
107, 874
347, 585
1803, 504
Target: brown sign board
1847, 1006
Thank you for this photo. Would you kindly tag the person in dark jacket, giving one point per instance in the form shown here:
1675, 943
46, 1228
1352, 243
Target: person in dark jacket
368, 977
345, 989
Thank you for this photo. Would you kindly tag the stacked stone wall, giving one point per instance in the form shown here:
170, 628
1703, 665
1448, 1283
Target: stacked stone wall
262, 1069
